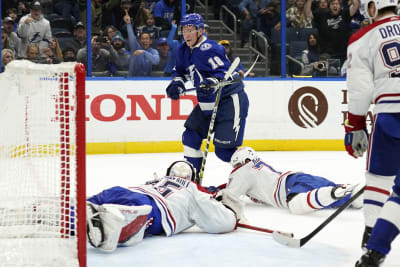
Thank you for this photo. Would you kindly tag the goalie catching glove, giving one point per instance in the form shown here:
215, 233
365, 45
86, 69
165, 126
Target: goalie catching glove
175, 88
356, 138
233, 203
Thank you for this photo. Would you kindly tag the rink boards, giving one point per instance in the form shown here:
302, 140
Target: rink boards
135, 116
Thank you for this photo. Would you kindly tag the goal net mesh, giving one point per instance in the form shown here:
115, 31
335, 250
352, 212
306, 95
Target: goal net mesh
38, 165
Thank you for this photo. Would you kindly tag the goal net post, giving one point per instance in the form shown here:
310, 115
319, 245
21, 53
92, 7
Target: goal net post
42, 165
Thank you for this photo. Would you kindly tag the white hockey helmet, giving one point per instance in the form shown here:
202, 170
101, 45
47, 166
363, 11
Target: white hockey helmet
241, 155
379, 4
182, 168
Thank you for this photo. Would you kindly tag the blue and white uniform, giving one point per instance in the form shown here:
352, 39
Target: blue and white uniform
263, 184
177, 204
207, 59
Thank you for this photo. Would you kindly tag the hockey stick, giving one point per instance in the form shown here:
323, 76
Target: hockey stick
252, 66
265, 230
229, 82
228, 74
297, 243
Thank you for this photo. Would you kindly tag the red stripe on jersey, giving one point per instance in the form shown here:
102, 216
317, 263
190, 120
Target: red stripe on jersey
278, 185
309, 201
378, 190
384, 95
161, 202
370, 143
366, 29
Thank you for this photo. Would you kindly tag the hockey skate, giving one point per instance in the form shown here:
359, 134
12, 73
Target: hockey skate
371, 258
366, 235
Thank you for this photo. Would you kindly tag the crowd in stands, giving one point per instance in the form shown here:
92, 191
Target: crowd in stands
332, 23
138, 37
128, 37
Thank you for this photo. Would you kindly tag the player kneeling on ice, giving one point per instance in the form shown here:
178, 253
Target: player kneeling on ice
170, 205
299, 192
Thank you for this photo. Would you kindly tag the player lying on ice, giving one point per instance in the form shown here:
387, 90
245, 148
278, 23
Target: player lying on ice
170, 205
297, 191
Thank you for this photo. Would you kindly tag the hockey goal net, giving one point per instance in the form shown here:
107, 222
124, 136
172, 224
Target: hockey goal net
42, 165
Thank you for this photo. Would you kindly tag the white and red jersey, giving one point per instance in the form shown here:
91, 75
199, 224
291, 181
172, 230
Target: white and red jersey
373, 70
260, 182
183, 204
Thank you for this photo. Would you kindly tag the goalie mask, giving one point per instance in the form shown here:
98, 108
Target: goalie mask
241, 155
182, 169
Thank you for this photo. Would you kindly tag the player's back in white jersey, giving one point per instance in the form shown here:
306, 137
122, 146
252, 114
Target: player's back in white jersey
374, 67
260, 182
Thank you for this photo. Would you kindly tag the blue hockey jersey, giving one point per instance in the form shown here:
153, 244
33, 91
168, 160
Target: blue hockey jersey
206, 59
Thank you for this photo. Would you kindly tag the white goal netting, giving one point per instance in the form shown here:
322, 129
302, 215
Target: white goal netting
41, 165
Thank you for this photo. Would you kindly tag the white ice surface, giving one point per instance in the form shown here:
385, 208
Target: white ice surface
338, 244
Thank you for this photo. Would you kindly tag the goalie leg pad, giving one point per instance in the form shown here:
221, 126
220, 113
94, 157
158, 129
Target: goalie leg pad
113, 221
94, 226
136, 218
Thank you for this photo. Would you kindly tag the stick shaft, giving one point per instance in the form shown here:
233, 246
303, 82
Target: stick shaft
231, 69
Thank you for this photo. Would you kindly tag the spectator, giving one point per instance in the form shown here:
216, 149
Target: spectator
164, 52
143, 55
12, 13
132, 9
314, 63
333, 27
122, 63
22, 10
270, 18
79, 40
68, 9
149, 27
14, 40
7, 55
164, 11
173, 44
110, 31
5, 42
33, 54
296, 17
103, 54
323, 4
33, 28
230, 56
98, 8
250, 10
53, 52
69, 54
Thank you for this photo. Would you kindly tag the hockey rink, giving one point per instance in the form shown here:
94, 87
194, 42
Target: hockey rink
338, 244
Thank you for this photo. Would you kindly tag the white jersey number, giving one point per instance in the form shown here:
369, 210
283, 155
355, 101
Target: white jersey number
215, 62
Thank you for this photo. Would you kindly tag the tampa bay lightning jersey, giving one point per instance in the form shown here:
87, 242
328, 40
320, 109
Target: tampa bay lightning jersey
206, 59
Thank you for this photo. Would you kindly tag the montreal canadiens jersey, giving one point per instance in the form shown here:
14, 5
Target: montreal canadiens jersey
373, 70
207, 59
183, 203
260, 182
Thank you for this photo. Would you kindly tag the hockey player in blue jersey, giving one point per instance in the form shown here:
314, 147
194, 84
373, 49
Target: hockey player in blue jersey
169, 205
204, 63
